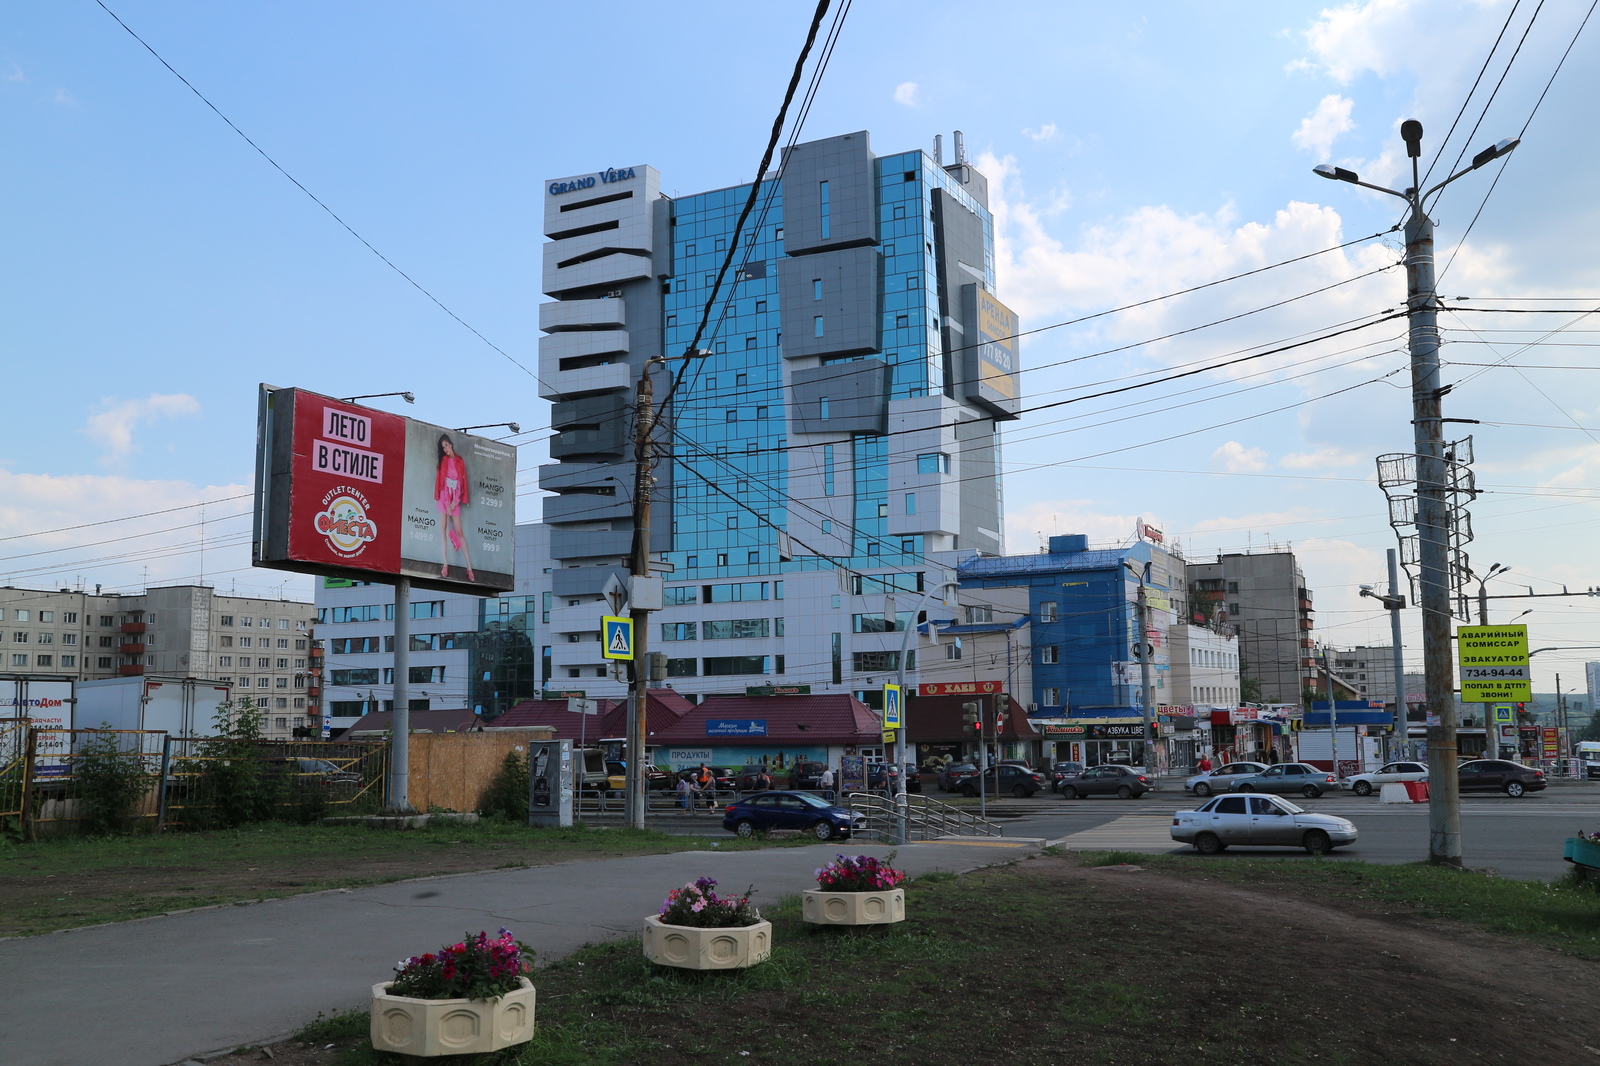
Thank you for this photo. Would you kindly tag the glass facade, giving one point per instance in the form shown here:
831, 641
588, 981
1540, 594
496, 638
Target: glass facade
502, 663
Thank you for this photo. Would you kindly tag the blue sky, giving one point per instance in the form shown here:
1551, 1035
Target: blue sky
156, 268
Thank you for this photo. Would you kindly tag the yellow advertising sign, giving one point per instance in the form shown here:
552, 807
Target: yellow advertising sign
998, 326
1494, 663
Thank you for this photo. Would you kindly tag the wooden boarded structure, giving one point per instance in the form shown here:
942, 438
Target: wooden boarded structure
451, 770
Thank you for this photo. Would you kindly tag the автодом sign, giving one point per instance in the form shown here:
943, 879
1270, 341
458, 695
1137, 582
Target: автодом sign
349, 491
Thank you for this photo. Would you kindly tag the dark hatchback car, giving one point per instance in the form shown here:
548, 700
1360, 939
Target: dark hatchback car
882, 776
1105, 780
801, 811
807, 775
1060, 771
953, 773
1497, 775
1015, 780
750, 779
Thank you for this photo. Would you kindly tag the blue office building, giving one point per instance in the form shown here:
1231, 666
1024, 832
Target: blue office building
836, 438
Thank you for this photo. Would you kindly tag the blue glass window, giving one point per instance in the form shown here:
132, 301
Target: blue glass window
816, 288
825, 226
816, 324
933, 463
827, 466
911, 503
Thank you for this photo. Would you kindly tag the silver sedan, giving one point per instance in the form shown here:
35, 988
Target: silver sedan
1223, 778
1260, 821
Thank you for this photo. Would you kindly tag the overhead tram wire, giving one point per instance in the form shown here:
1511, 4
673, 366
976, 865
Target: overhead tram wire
1484, 111
1520, 133
262, 152
750, 202
1443, 143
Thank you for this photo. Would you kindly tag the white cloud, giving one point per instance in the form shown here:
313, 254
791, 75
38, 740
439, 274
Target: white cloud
16, 74
1322, 458
1235, 458
1047, 132
906, 93
1323, 126
1030, 528
113, 427
65, 98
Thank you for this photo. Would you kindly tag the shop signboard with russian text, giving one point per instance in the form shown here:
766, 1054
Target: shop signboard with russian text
960, 688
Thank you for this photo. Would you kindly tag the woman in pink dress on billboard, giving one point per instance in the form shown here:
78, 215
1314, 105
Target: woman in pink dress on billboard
450, 493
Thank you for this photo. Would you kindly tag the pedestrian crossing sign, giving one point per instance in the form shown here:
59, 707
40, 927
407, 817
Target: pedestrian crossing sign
891, 706
619, 637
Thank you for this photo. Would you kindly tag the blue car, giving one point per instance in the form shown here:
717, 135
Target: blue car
791, 810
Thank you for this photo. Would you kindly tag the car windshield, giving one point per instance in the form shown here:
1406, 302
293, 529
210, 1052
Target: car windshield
1286, 805
812, 801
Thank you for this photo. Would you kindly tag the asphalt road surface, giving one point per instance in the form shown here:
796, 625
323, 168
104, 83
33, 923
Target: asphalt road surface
1518, 838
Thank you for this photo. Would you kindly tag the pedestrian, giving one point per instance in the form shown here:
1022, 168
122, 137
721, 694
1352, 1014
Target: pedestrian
764, 780
825, 782
685, 795
1204, 765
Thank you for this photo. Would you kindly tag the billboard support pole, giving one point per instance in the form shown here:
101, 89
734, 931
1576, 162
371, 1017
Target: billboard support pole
643, 491
399, 799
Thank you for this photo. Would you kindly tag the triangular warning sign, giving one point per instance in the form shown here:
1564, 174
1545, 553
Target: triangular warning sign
619, 640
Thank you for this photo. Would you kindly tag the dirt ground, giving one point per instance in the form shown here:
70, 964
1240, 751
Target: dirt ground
1051, 961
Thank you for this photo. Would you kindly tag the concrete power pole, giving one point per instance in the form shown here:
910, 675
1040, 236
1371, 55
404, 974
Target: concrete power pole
1434, 488
644, 482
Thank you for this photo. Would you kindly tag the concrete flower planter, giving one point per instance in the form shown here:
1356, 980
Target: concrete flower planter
692, 948
428, 1028
853, 908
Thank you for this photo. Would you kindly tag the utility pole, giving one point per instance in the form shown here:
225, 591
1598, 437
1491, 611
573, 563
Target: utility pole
1433, 489
1333, 715
399, 797
1401, 711
1146, 692
644, 482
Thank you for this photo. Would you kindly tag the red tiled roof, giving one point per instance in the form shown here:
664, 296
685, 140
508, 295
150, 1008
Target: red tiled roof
665, 706
458, 721
816, 719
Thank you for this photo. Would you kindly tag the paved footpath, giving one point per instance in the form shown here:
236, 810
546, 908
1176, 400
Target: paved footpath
158, 990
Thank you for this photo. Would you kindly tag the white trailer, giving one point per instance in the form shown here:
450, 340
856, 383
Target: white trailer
179, 706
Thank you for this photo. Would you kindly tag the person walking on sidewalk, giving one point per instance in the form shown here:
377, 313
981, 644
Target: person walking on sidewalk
825, 782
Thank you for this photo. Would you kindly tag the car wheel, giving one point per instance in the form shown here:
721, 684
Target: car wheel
1312, 792
1245, 788
1020, 791
1514, 789
1316, 842
1069, 793
822, 831
746, 829
1208, 844
968, 791
1124, 792
1363, 788
1202, 789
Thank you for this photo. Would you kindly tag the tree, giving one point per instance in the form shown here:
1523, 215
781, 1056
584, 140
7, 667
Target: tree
234, 778
110, 781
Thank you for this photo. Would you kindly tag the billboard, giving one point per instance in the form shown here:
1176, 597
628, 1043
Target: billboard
351, 492
992, 356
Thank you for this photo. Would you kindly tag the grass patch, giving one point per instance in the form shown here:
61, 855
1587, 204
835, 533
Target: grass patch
80, 880
1564, 915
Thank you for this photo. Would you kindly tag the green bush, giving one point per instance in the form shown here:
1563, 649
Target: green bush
111, 782
507, 795
234, 785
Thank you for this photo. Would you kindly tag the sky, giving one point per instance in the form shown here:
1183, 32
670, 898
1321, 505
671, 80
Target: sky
154, 268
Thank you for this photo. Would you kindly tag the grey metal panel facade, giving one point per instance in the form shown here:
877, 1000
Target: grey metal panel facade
979, 458
848, 307
590, 425
856, 393
588, 543
846, 164
582, 580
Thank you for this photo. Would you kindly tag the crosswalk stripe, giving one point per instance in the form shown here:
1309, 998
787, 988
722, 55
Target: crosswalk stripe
1129, 831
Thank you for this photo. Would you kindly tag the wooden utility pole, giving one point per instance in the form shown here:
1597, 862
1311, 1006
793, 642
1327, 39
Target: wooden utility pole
644, 482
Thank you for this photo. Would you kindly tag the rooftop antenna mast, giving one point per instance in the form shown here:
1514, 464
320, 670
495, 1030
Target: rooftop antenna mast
938, 149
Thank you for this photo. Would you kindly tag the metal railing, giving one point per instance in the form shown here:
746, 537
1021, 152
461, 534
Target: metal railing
925, 819
294, 779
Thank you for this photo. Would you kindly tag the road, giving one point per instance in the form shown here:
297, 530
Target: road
1517, 838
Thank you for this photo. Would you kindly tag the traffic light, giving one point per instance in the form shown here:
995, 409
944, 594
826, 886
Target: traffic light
970, 717
1002, 705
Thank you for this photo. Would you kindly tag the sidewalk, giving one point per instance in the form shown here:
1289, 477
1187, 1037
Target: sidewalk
155, 991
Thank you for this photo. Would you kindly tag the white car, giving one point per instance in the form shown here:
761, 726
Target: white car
1391, 774
1259, 821
1223, 778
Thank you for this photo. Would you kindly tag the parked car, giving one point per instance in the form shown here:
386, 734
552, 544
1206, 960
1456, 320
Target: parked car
1016, 780
1259, 821
1391, 774
1107, 780
300, 772
791, 810
1287, 778
750, 778
951, 776
807, 775
882, 777
1060, 771
1221, 779
1497, 775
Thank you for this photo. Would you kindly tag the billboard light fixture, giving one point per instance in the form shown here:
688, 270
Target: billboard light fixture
512, 426
406, 396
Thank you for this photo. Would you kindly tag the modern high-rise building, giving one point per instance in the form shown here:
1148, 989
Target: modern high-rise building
834, 440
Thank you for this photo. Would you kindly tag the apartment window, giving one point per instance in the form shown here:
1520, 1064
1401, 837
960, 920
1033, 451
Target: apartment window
282, 723
263, 682
817, 326
874, 661
107, 620
827, 464
19, 660
283, 664
681, 667
364, 676
1233, 608
247, 622
283, 623
1233, 588
816, 288
1047, 610
679, 630
878, 623
19, 637
103, 662
283, 642
225, 642
246, 642
682, 594
933, 463
44, 660
47, 616
1050, 653
69, 661
953, 650
736, 628
911, 503
225, 660
299, 701
299, 664
734, 665
826, 222
69, 618
263, 662
283, 682
1051, 697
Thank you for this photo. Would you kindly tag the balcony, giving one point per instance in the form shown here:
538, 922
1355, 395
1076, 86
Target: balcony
133, 627
131, 648
131, 670
1305, 605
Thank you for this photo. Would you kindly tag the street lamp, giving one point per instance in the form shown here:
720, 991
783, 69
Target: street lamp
512, 426
1433, 487
901, 748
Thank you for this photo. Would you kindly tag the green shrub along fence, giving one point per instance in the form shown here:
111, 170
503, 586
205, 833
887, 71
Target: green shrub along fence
105, 781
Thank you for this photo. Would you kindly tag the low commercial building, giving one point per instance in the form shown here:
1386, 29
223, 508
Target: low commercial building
771, 731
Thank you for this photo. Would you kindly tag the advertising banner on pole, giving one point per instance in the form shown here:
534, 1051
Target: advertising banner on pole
352, 492
1494, 663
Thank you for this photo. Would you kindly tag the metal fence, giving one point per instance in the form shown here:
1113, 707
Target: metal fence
62, 780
